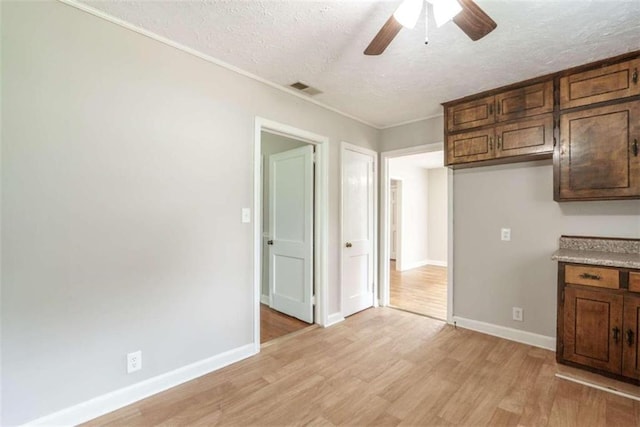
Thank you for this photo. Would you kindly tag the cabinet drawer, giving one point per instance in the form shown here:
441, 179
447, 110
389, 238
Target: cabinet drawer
471, 114
525, 101
601, 84
592, 276
470, 147
530, 136
634, 281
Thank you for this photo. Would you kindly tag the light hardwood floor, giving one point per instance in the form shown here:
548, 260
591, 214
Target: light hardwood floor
385, 367
274, 324
420, 290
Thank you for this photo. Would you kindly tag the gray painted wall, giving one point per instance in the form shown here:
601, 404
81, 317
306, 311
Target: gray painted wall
125, 165
437, 214
492, 276
417, 133
271, 144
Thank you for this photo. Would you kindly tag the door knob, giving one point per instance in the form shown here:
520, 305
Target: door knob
269, 242
348, 244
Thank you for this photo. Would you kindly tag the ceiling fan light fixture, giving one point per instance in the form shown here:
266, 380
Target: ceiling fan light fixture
445, 10
408, 12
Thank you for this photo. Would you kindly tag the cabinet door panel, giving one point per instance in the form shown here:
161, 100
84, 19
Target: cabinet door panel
597, 156
630, 362
525, 137
590, 318
601, 84
471, 114
524, 102
470, 147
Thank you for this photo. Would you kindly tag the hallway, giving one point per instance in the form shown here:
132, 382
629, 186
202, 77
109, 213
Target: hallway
421, 290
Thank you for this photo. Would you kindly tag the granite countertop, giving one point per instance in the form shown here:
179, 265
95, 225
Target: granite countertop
607, 252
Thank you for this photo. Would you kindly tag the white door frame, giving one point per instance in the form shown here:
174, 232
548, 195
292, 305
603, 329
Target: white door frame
384, 223
321, 220
374, 249
398, 222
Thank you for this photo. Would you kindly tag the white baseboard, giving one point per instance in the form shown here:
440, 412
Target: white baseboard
117, 399
517, 335
333, 319
414, 264
437, 263
264, 299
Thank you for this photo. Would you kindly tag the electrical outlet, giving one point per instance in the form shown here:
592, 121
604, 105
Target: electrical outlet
505, 234
518, 314
134, 361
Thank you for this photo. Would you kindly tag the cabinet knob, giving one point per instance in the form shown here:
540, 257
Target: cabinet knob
616, 334
634, 77
634, 147
630, 337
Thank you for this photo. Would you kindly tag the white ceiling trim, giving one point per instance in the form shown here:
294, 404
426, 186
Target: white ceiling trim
100, 14
408, 122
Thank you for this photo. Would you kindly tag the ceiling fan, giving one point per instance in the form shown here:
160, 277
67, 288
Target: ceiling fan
465, 13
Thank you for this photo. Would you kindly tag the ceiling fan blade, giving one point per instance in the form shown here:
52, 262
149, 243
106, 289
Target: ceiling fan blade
387, 33
473, 20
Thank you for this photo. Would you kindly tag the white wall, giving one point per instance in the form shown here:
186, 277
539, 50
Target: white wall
271, 144
125, 165
414, 211
491, 276
437, 216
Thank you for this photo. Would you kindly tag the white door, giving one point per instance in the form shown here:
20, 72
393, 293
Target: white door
394, 219
358, 230
291, 232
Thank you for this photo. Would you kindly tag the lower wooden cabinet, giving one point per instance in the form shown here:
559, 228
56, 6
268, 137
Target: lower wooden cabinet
598, 323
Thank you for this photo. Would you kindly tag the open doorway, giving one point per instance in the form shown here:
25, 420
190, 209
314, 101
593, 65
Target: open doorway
415, 252
290, 230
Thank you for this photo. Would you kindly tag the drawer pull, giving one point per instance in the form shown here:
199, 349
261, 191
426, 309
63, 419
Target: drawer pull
590, 276
616, 334
630, 337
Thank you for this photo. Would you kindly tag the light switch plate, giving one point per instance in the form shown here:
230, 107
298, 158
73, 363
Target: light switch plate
246, 215
505, 234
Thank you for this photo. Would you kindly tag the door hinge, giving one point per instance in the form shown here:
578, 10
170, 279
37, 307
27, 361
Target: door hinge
313, 300
315, 157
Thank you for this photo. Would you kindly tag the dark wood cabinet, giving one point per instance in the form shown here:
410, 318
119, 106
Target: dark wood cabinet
599, 320
599, 156
471, 146
471, 114
525, 137
630, 362
593, 328
506, 126
600, 84
525, 101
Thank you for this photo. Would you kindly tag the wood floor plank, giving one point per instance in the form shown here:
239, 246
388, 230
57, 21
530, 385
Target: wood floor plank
421, 290
274, 324
385, 367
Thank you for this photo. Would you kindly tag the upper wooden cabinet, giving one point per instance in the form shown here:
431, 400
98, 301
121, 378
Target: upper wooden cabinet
513, 104
471, 146
526, 101
472, 114
607, 83
525, 137
599, 156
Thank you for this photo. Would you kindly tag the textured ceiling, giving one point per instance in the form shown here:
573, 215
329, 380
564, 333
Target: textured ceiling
321, 42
